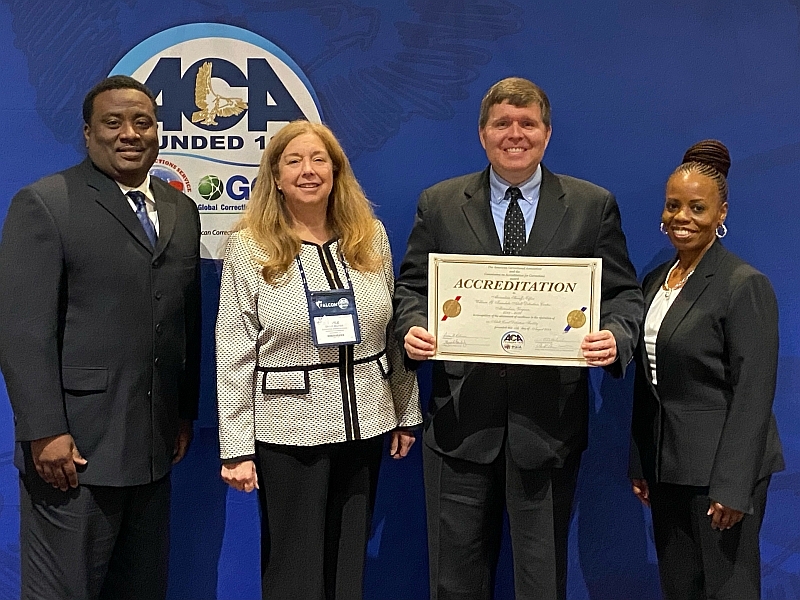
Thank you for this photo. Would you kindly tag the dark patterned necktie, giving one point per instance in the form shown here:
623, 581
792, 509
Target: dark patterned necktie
514, 224
141, 213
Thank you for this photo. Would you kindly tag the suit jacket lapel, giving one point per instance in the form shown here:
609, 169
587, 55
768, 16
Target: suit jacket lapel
651, 289
165, 205
656, 282
478, 212
549, 213
692, 290
110, 197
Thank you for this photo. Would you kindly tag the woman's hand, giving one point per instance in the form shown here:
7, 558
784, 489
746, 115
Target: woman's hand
642, 490
723, 517
241, 475
402, 440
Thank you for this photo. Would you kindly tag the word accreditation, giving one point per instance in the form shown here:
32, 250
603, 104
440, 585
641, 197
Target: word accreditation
515, 286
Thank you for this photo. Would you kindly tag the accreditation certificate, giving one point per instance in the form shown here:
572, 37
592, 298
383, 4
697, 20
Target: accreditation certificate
512, 309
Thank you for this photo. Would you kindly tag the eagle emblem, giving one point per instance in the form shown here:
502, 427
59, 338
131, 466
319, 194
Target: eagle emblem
211, 104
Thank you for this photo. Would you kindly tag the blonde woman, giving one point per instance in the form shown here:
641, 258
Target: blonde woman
308, 380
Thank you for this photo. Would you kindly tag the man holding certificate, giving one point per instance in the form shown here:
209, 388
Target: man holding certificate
510, 434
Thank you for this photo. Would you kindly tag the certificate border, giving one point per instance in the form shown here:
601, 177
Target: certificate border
436, 259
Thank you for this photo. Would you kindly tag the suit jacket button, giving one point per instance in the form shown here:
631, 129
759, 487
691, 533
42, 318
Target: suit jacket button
502, 372
157, 295
156, 361
159, 328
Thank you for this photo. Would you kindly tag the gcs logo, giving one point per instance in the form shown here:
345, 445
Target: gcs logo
237, 187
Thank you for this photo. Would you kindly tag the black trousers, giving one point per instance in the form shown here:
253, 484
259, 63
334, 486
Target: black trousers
696, 562
316, 514
94, 542
465, 502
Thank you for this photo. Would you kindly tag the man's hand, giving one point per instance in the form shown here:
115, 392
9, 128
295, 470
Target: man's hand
182, 440
402, 440
55, 458
419, 344
642, 490
241, 475
599, 348
723, 517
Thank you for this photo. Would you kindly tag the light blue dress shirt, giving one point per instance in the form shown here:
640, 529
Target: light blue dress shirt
528, 204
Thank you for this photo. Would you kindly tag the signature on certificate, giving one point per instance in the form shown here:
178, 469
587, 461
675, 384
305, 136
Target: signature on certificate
462, 340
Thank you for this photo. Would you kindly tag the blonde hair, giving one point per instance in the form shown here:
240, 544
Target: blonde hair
350, 216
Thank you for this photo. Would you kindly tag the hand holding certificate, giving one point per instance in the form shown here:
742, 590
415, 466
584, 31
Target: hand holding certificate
512, 309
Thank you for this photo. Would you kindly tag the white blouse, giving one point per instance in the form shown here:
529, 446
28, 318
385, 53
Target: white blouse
652, 322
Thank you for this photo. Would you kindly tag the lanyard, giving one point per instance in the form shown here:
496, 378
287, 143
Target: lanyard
332, 313
333, 267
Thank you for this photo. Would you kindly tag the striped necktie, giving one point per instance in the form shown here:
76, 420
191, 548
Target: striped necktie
141, 213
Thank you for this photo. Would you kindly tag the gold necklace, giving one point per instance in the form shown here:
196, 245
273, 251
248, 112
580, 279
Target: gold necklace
679, 285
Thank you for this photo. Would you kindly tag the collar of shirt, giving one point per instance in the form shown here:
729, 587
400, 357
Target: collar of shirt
529, 188
144, 187
150, 201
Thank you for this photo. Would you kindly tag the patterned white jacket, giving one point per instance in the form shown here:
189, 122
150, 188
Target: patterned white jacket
274, 385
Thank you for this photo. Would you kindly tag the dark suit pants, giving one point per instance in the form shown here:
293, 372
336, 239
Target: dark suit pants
94, 542
465, 503
699, 563
316, 514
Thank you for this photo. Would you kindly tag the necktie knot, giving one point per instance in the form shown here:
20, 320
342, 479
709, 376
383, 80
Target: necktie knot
141, 214
138, 199
514, 234
514, 194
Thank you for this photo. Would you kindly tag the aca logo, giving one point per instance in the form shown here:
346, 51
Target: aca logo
222, 93
512, 342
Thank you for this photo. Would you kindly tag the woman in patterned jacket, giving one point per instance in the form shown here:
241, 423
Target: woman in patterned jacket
308, 378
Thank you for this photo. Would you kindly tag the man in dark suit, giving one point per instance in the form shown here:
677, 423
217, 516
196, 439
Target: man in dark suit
506, 434
99, 347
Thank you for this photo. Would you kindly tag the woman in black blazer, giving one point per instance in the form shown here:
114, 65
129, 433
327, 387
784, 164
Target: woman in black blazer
705, 441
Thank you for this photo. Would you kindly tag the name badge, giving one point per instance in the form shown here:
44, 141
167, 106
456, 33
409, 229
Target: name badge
334, 320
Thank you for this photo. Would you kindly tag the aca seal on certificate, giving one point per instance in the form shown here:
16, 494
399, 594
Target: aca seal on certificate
512, 309
576, 319
451, 308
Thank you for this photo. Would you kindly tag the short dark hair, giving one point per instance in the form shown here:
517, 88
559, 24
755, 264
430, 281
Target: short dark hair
517, 92
115, 82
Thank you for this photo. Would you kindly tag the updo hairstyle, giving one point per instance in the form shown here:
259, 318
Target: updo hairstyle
710, 158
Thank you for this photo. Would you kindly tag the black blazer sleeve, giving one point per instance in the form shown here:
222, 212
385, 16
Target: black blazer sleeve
411, 288
750, 328
621, 310
31, 268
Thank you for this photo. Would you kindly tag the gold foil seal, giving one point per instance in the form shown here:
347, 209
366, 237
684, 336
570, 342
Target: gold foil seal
576, 319
451, 308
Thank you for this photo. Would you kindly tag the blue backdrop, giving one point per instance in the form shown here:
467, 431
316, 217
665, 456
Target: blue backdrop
632, 83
